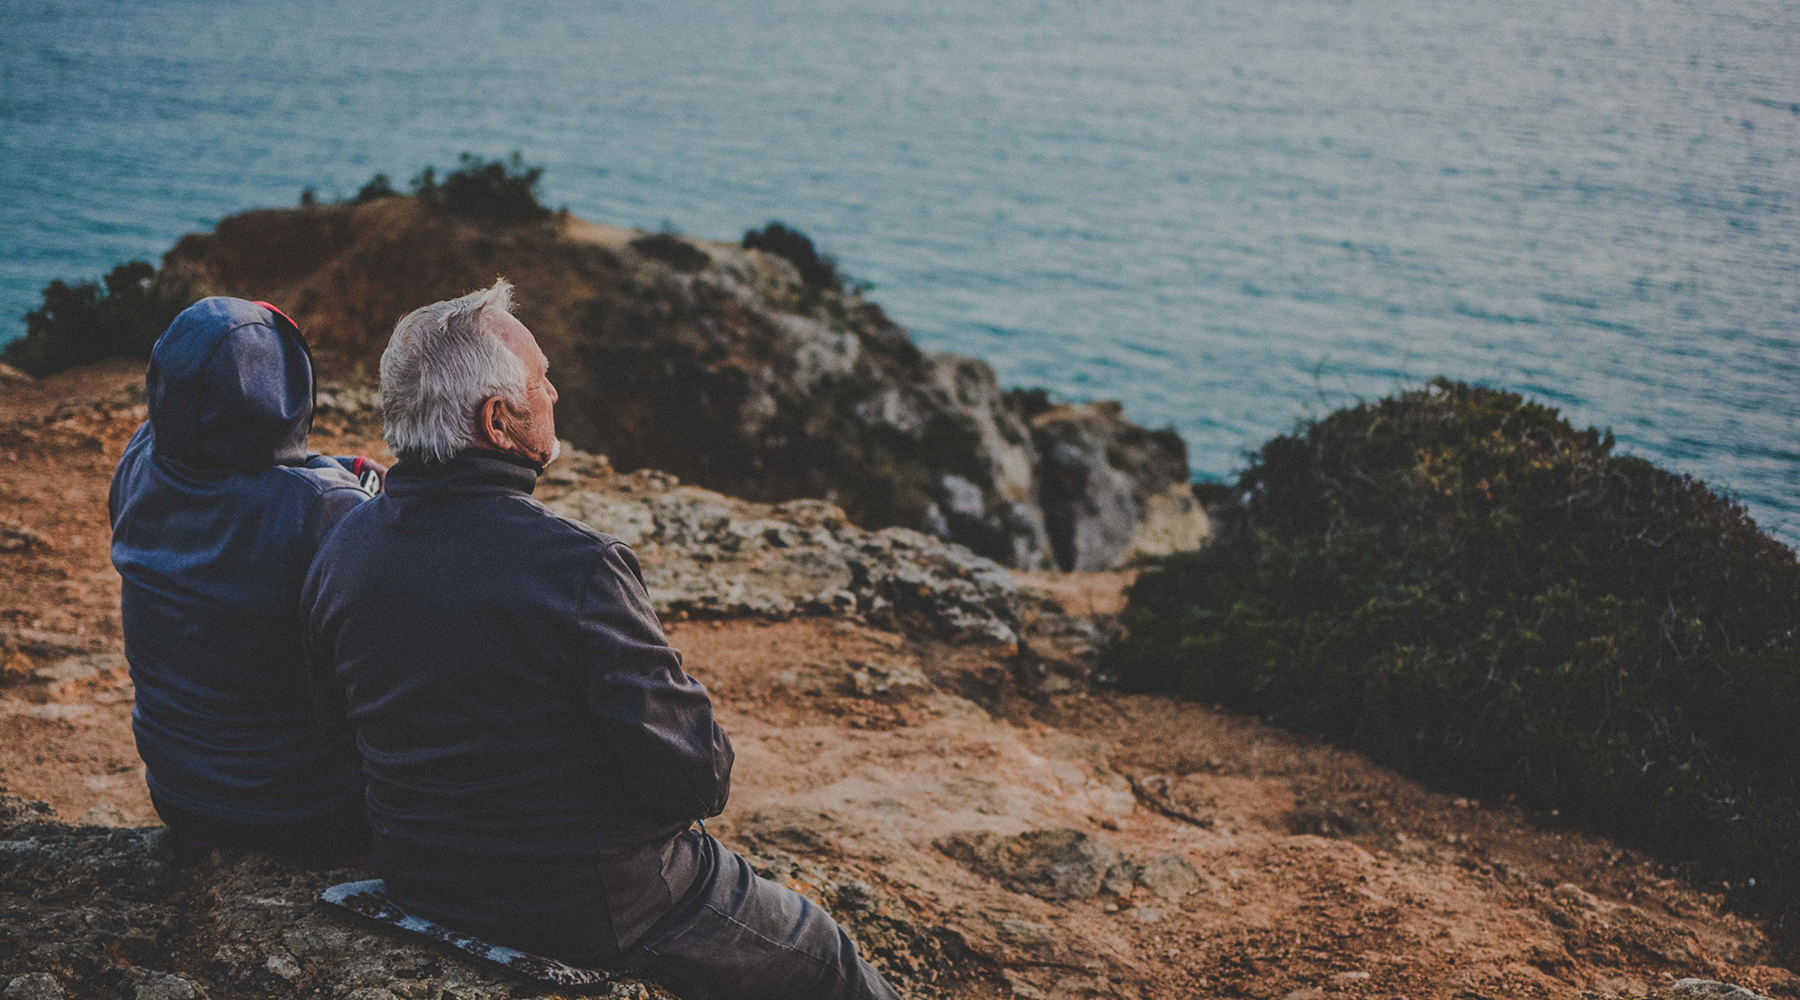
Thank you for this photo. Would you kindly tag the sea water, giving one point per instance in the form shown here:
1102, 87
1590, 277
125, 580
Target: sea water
1230, 216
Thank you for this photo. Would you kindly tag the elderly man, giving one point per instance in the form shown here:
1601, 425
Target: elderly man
536, 757
217, 509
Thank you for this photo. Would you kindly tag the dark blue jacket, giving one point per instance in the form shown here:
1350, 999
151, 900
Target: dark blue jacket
523, 723
217, 509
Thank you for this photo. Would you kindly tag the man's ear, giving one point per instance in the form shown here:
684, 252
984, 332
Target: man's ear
493, 431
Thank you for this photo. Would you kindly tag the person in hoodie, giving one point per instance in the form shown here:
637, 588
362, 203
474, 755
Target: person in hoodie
217, 508
537, 758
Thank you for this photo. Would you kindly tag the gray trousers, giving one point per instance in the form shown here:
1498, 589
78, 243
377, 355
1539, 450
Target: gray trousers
734, 936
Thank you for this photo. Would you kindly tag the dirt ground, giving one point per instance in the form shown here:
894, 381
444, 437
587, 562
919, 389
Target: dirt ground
1320, 874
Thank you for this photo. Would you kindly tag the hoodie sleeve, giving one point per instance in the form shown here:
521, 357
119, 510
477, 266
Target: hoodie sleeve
652, 713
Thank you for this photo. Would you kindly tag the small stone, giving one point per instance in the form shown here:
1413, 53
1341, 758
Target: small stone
105, 814
1305, 993
148, 984
1120, 877
1027, 936
1022, 987
1146, 914
1573, 895
1345, 978
1710, 989
33, 986
1170, 876
16, 537
283, 965
80, 668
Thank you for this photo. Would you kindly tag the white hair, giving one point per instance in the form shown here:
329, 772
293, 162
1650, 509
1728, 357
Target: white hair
443, 361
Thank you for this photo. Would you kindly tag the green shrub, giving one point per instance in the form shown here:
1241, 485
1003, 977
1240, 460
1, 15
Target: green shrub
1463, 584
89, 320
492, 190
673, 251
817, 270
379, 187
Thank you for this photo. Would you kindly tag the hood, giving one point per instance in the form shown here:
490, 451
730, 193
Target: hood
230, 385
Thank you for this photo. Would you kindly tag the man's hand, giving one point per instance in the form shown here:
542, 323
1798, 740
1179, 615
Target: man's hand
370, 473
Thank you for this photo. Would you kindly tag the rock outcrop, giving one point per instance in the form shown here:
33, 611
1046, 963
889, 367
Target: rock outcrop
707, 555
723, 366
704, 553
1111, 490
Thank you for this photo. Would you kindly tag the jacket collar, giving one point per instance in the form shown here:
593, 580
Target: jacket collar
473, 472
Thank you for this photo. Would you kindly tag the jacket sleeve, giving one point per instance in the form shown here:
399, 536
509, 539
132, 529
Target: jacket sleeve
656, 719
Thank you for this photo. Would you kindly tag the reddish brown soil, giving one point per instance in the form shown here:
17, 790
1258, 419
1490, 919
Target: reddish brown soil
1323, 874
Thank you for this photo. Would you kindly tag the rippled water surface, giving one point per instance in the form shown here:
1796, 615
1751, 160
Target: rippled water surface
1228, 215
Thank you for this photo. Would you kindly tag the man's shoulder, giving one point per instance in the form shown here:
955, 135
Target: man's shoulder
566, 529
521, 519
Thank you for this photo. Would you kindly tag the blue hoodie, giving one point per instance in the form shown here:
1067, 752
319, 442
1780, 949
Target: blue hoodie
217, 509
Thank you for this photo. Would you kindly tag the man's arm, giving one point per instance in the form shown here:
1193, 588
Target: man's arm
657, 719
370, 474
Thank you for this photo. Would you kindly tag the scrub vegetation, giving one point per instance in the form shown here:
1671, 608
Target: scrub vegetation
672, 250
817, 270
1460, 582
491, 190
119, 316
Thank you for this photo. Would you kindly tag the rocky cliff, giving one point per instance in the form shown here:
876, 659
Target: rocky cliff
724, 366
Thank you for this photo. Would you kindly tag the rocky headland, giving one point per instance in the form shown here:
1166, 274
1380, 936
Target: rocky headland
729, 368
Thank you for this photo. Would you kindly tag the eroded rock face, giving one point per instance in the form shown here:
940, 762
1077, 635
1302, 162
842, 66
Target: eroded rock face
1111, 491
735, 374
